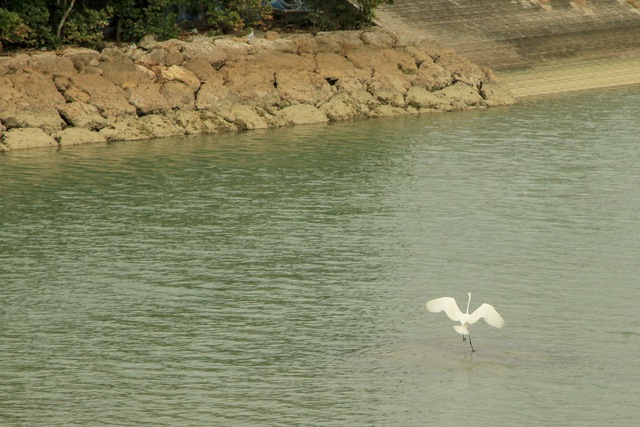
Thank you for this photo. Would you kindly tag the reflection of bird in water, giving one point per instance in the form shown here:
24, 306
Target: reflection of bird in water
250, 36
449, 306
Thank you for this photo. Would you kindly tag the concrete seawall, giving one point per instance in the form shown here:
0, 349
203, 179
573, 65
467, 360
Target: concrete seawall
534, 46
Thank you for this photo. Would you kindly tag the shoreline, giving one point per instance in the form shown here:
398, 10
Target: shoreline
209, 85
571, 75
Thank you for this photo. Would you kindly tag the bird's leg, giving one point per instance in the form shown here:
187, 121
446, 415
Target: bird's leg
472, 349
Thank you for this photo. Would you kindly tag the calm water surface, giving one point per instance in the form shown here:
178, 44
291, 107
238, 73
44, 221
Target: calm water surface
278, 278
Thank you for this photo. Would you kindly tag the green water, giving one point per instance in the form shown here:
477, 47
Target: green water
278, 278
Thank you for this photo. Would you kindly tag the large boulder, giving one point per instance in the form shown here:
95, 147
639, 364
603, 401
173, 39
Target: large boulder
201, 122
494, 94
338, 41
46, 119
178, 95
52, 64
253, 84
302, 114
432, 76
29, 91
333, 67
340, 108
81, 57
422, 99
244, 117
147, 99
125, 128
82, 115
126, 72
109, 99
77, 136
180, 74
460, 68
205, 49
460, 96
17, 139
213, 96
367, 58
302, 87
378, 38
159, 126
201, 68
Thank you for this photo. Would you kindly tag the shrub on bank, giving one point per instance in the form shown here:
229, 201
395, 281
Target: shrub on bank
51, 23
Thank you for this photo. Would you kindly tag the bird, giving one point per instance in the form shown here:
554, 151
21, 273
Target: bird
250, 36
449, 306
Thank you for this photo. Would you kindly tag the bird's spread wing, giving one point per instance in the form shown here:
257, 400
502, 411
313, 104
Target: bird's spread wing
489, 314
446, 304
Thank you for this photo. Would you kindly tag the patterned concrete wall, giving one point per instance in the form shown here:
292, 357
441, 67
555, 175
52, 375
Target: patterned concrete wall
517, 34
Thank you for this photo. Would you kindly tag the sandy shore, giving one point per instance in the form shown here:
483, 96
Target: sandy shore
571, 75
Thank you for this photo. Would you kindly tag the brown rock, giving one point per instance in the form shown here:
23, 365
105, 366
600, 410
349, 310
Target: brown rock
32, 90
335, 67
73, 94
125, 128
17, 139
201, 68
178, 95
387, 111
461, 96
234, 49
338, 41
276, 45
114, 54
159, 126
244, 117
110, 99
418, 55
77, 136
198, 122
147, 99
181, 74
155, 57
46, 119
302, 114
302, 87
404, 61
461, 69
378, 38
421, 99
432, 76
494, 95
366, 58
307, 44
81, 58
213, 95
127, 71
174, 57
82, 115
339, 108
205, 49
13, 64
52, 64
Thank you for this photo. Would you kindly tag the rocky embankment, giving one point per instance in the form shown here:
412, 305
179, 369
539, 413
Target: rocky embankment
210, 85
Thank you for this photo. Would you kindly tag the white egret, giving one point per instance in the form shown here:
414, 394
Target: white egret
449, 306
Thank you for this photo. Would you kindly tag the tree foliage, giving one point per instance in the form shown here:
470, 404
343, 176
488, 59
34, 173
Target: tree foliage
50, 23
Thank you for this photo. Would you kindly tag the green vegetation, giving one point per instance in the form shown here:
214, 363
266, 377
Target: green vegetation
51, 23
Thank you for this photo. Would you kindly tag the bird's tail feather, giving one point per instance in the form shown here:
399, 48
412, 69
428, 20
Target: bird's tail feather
461, 329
